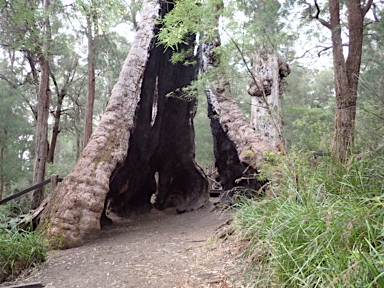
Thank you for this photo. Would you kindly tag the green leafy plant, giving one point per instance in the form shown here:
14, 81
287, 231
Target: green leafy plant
176, 27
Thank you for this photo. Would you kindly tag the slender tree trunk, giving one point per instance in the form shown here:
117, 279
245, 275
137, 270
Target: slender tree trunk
44, 95
2, 154
56, 125
346, 72
78, 133
74, 210
91, 81
76, 124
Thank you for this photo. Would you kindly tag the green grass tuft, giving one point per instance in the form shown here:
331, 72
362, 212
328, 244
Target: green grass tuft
19, 250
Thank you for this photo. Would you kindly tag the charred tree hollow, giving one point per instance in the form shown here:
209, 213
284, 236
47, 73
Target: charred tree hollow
143, 147
160, 170
234, 175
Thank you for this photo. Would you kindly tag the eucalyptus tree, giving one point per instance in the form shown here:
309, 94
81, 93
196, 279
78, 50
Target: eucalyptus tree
43, 102
260, 41
27, 29
65, 72
142, 133
346, 35
99, 16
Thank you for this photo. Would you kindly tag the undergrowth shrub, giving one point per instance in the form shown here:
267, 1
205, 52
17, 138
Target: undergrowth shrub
322, 226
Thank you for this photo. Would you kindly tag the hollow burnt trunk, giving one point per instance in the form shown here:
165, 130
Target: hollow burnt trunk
74, 209
142, 149
162, 142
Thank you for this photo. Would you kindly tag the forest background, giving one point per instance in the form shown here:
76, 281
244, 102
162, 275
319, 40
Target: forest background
86, 42
308, 103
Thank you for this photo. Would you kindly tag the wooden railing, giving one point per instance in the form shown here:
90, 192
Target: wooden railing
53, 181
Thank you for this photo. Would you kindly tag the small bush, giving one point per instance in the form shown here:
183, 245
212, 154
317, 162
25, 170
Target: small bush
320, 229
19, 250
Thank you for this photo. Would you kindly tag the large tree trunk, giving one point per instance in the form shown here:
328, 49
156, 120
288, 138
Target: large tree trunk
162, 142
44, 95
143, 147
239, 151
74, 210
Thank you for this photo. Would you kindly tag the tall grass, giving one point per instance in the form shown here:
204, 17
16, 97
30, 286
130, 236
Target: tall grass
19, 249
323, 226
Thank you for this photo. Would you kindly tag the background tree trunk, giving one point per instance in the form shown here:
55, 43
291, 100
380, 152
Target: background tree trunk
346, 72
2, 153
44, 95
57, 115
266, 89
74, 210
91, 78
238, 150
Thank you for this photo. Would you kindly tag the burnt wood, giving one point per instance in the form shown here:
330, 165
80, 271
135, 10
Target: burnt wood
161, 152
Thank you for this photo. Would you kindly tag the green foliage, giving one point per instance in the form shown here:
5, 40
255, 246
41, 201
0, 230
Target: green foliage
308, 108
20, 250
19, 24
258, 23
102, 13
320, 229
203, 136
186, 18
250, 23
16, 133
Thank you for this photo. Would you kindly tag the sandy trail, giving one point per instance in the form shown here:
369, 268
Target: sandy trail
161, 249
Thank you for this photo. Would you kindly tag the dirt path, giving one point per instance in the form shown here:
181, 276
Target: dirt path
159, 249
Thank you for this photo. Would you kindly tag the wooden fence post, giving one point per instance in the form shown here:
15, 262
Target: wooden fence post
54, 181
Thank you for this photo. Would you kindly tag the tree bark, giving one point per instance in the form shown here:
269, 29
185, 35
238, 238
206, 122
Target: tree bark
161, 153
266, 89
56, 124
74, 210
346, 72
2, 154
239, 151
44, 95
91, 80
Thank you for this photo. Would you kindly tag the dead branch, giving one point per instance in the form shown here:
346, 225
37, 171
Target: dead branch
366, 8
317, 14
